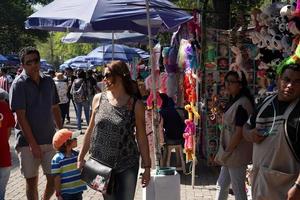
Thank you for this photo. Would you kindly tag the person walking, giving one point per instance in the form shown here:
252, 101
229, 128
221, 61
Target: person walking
34, 99
79, 92
274, 129
111, 132
5, 79
70, 79
236, 151
7, 121
62, 90
68, 183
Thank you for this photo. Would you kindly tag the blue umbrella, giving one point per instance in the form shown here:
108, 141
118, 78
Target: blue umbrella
121, 52
105, 15
104, 37
3, 59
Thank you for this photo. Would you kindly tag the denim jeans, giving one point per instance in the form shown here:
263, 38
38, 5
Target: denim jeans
124, 186
4, 176
86, 109
76, 196
236, 176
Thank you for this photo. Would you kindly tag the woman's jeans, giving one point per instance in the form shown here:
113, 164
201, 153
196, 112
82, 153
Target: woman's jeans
76, 196
236, 176
86, 109
4, 176
124, 186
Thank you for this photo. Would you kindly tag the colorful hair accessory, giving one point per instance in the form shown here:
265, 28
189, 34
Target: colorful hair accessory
294, 59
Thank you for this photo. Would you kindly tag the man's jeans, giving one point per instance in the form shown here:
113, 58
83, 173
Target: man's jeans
86, 109
124, 186
4, 176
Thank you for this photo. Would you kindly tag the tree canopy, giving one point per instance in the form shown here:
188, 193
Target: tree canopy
13, 35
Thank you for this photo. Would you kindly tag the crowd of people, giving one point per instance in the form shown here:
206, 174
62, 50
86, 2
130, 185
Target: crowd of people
266, 136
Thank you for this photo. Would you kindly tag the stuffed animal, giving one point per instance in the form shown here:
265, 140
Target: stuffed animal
150, 101
188, 134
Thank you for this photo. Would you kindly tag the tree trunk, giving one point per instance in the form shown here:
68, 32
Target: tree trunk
222, 15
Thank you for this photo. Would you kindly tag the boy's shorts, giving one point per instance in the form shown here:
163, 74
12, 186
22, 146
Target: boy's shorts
29, 165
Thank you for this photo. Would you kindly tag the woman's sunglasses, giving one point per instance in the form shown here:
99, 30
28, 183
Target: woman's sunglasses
107, 75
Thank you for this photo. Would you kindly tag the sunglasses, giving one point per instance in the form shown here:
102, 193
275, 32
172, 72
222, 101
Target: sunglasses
33, 61
107, 75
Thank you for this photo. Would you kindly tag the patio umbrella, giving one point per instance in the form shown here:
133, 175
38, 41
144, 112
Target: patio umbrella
105, 15
104, 37
3, 59
117, 52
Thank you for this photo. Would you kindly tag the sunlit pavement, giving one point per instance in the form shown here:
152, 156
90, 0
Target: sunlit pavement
204, 183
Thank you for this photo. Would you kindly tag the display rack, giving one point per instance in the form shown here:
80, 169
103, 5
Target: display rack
217, 60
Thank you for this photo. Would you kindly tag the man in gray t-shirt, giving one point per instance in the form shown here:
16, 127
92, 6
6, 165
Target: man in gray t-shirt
34, 98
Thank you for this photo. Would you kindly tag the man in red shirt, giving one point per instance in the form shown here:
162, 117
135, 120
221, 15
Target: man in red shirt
7, 121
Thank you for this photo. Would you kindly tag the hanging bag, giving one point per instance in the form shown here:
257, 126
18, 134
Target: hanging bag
97, 175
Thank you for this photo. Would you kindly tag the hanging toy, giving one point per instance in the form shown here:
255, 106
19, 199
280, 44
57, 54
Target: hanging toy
188, 136
150, 100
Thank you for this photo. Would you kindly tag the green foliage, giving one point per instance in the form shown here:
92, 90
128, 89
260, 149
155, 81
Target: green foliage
56, 52
13, 35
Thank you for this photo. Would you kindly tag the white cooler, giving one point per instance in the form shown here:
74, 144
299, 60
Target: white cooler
163, 187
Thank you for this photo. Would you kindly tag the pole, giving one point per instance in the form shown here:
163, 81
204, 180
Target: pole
113, 45
153, 76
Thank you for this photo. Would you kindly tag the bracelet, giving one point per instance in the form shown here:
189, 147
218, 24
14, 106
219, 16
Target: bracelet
297, 185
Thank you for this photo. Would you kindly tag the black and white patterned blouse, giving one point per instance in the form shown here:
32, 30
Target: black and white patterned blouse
113, 141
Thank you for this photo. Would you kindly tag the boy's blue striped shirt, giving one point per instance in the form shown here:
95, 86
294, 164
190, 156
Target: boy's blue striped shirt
66, 168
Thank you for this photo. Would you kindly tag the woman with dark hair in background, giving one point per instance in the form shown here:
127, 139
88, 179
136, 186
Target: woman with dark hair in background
115, 113
236, 151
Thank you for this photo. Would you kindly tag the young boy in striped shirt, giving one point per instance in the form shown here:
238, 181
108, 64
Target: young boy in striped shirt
68, 183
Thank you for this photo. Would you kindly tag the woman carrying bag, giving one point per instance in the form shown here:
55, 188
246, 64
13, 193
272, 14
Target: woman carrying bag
234, 151
115, 113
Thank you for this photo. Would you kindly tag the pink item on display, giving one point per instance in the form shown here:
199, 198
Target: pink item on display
150, 101
296, 13
188, 136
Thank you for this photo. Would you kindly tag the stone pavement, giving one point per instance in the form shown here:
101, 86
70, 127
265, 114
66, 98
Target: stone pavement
204, 183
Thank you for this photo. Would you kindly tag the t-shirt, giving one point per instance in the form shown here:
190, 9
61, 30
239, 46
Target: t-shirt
66, 168
7, 121
241, 115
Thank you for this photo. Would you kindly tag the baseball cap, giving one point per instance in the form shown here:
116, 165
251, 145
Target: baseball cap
61, 136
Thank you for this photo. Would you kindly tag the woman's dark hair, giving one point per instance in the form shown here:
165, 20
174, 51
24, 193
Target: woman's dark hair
243, 81
119, 68
81, 74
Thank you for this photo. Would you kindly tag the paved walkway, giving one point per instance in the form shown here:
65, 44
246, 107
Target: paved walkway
204, 184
